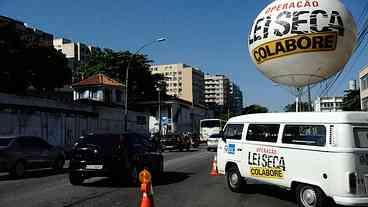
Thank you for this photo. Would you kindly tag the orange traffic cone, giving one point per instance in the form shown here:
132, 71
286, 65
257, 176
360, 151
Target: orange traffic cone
147, 200
214, 171
146, 189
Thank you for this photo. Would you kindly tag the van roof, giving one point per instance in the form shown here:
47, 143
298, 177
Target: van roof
304, 117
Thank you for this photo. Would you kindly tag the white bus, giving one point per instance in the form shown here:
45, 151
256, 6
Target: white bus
210, 126
317, 155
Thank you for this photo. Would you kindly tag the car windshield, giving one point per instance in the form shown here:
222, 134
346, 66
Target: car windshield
4, 142
215, 136
210, 124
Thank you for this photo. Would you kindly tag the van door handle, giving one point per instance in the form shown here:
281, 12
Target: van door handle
239, 149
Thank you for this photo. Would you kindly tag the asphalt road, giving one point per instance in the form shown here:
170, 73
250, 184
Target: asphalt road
186, 183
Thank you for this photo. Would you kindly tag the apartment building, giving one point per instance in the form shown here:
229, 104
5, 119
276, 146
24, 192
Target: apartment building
77, 53
182, 81
217, 90
236, 98
28, 35
328, 104
363, 82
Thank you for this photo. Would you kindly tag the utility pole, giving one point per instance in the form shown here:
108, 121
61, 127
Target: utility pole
309, 99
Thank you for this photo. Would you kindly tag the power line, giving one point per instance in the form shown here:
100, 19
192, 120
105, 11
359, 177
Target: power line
358, 50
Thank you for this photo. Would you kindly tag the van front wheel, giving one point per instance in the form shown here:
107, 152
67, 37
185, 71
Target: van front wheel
310, 196
234, 179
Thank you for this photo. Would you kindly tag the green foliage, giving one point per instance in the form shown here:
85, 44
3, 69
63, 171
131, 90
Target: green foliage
141, 84
13, 73
49, 68
254, 109
351, 101
303, 106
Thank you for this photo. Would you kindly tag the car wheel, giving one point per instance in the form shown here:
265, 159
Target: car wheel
76, 178
58, 164
234, 179
310, 196
18, 169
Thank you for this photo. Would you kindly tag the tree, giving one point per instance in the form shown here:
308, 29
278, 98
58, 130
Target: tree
49, 68
24, 64
141, 84
351, 101
254, 109
303, 106
13, 75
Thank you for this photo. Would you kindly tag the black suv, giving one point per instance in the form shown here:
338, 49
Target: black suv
19, 153
120, 156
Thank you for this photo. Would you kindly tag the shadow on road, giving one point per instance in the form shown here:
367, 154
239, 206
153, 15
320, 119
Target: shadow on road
276, 192
171, 177
270, 190
33, 174
166, 179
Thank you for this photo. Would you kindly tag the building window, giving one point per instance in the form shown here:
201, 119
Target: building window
304, 135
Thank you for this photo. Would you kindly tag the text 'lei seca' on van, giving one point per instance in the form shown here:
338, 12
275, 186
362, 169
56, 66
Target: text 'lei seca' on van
266, 165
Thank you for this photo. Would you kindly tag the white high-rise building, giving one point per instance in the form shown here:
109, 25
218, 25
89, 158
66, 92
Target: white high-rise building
217, 90
328, 104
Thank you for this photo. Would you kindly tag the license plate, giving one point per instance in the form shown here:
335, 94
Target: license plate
94, 167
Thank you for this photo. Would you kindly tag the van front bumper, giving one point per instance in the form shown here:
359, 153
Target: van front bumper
351, 201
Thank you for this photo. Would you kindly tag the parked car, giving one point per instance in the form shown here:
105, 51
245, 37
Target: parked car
120, 156
175, 141
212, 142
20, 153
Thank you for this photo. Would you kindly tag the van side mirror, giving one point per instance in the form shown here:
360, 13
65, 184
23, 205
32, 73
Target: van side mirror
222, 136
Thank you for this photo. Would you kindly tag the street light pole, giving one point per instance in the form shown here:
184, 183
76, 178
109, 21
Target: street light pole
159, 110
127, 79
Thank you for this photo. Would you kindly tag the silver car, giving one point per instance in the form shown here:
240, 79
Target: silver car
212, 142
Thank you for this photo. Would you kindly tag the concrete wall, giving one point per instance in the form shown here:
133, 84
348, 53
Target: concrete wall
62, 123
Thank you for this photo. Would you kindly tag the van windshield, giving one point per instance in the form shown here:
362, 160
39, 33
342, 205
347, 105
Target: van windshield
361, 137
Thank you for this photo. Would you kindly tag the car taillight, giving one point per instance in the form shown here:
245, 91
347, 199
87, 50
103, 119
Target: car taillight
352, 182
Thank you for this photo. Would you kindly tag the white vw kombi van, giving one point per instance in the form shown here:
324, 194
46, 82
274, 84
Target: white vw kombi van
315, 154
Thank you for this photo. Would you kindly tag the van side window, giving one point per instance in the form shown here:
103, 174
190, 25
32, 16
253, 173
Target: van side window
313, 135
361, 137
233, 131
263, 132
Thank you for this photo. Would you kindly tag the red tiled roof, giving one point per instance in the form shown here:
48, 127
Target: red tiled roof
98, 79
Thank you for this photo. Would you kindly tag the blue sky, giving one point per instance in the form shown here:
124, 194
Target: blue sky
209, 34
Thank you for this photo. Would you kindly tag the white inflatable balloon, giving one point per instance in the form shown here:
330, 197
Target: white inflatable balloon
297, 43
